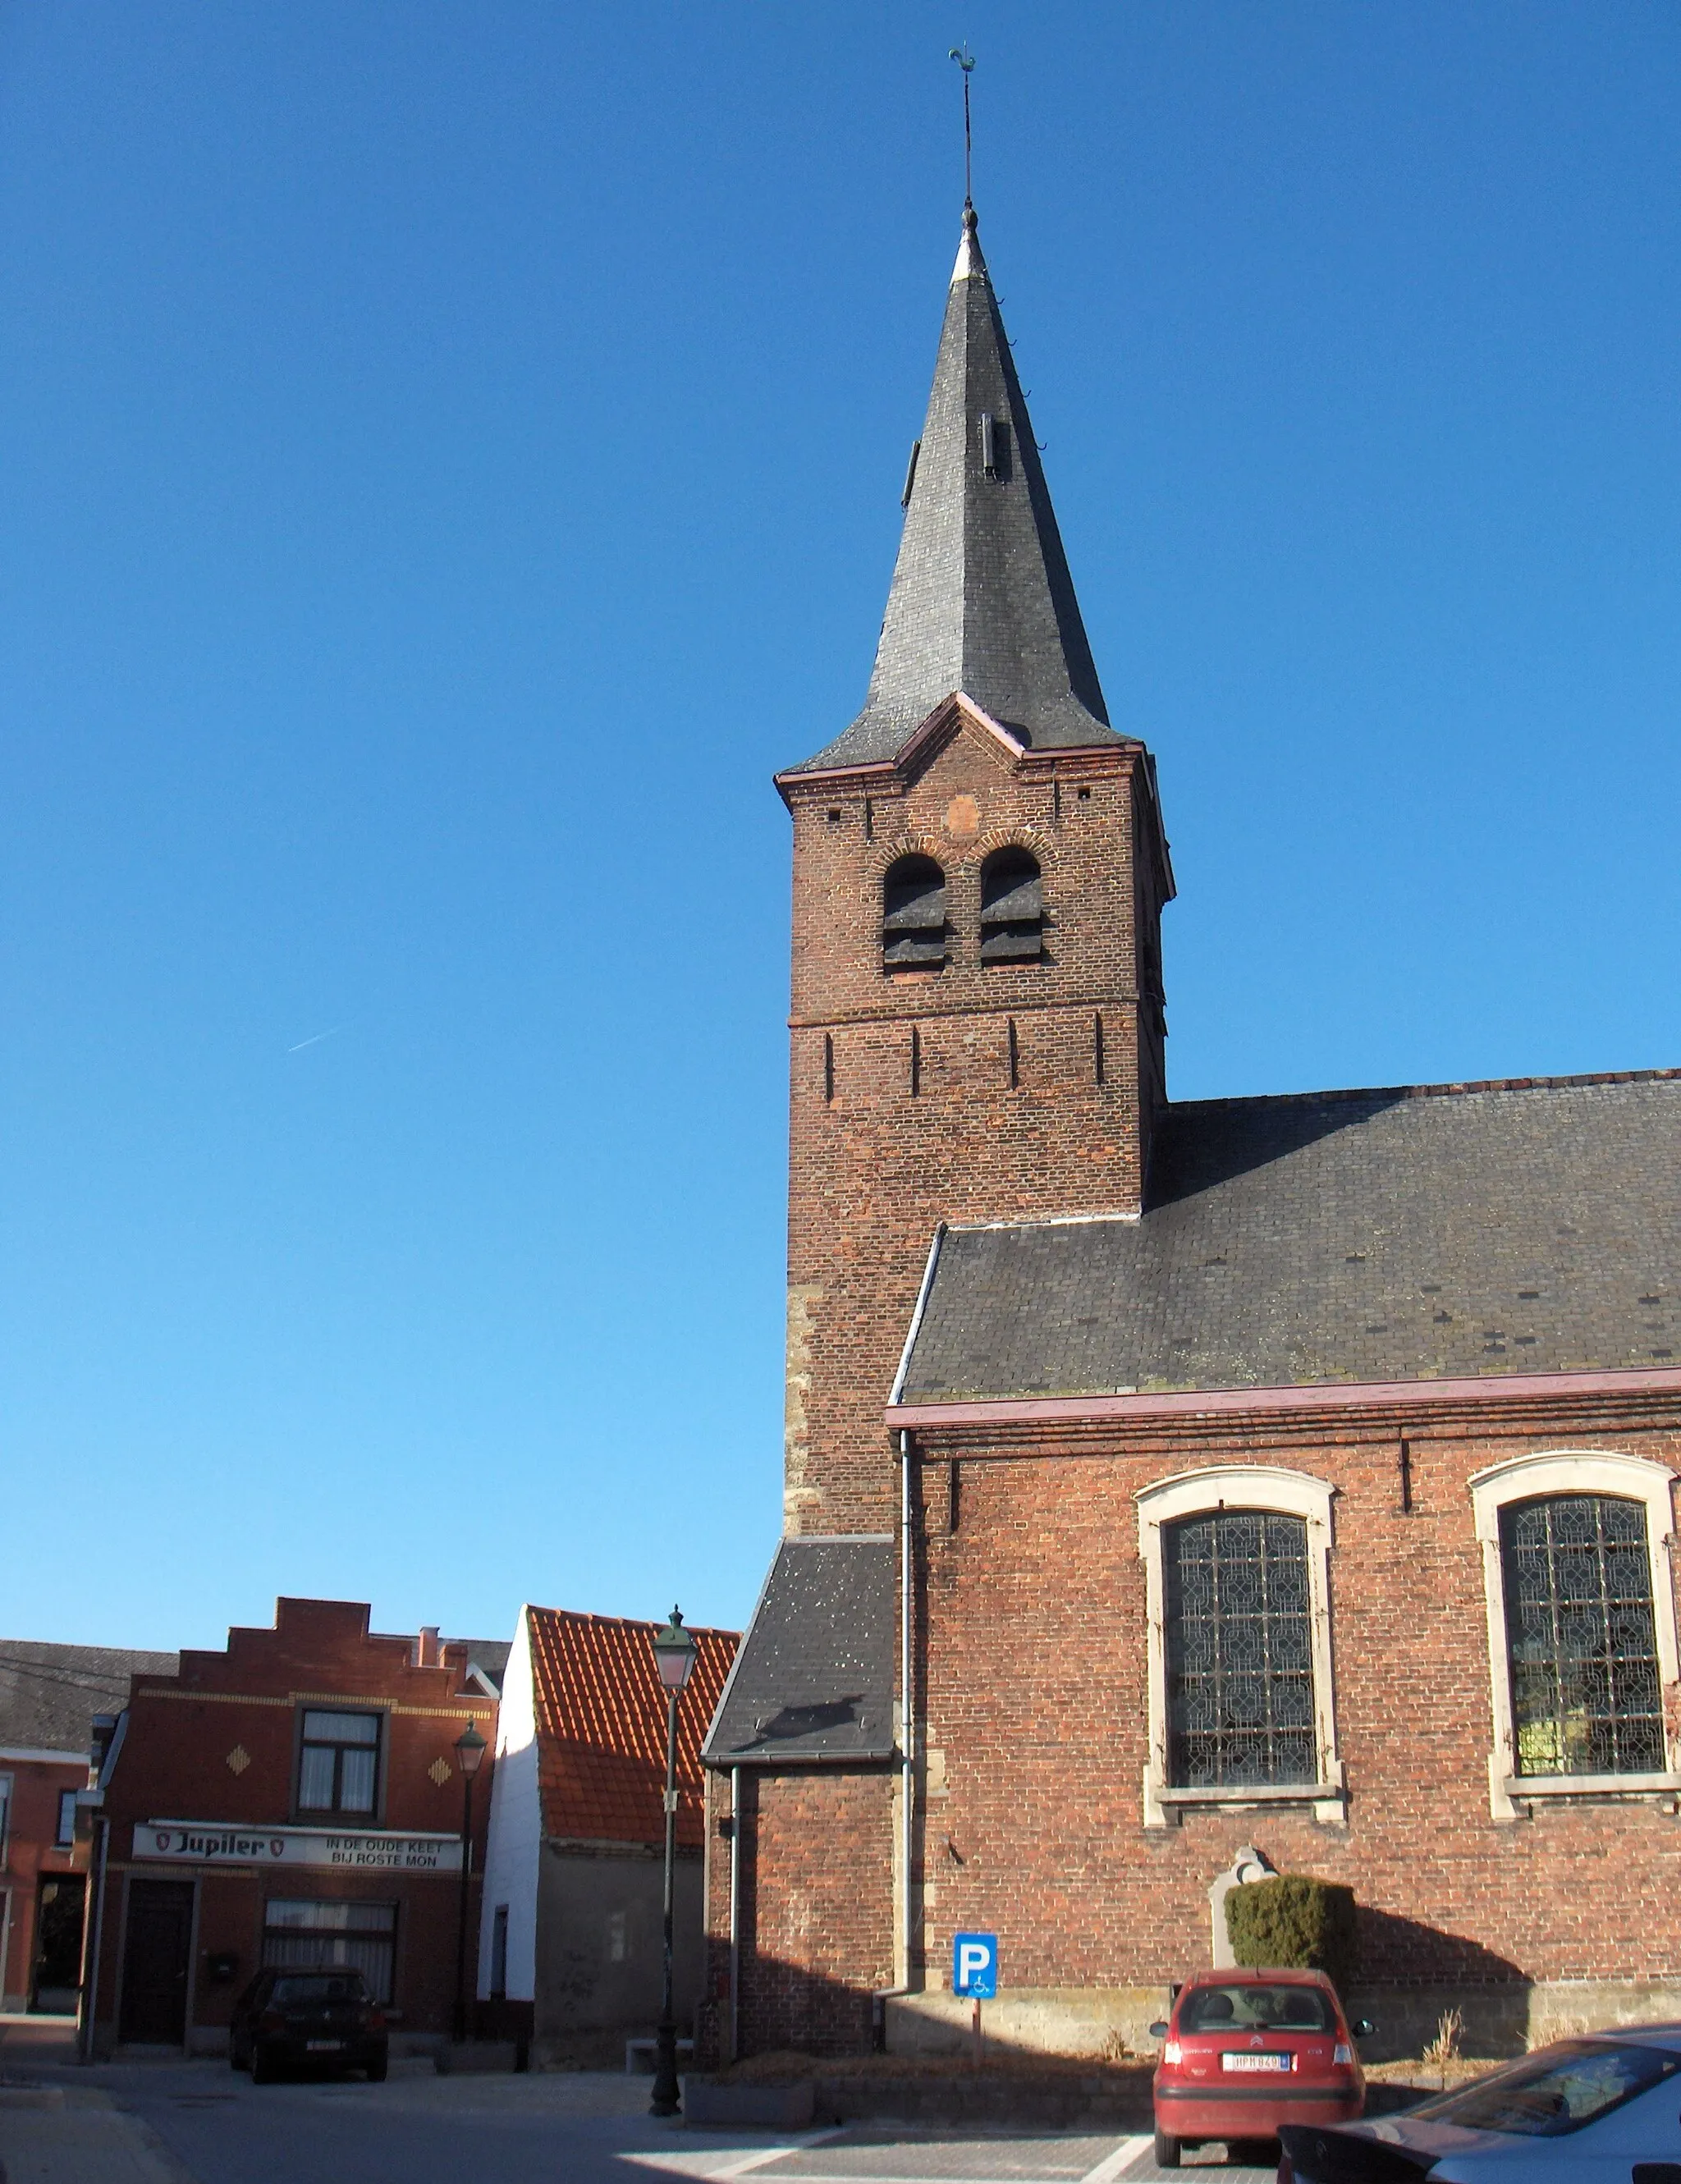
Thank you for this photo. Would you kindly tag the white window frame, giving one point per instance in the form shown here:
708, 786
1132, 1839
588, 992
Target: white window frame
1512, 1797
1264, 1486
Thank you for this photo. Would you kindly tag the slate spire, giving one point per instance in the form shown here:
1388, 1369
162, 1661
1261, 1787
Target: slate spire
982, 599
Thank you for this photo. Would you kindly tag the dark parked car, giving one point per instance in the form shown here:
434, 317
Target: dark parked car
324, 2019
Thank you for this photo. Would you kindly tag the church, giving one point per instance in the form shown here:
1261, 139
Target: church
1164, 1480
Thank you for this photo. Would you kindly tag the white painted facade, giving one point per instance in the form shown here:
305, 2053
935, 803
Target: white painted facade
513, 1847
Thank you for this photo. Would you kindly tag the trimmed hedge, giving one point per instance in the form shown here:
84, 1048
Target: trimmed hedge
1293, 1922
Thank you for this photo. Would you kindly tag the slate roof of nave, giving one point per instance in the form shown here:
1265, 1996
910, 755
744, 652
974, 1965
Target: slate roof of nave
1413, 1233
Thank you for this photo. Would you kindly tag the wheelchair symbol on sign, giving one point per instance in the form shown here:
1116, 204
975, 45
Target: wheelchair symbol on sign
974, 1966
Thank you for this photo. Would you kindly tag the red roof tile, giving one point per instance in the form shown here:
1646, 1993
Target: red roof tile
601, 1726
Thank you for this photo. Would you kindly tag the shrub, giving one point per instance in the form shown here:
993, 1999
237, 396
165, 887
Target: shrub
1293, 1922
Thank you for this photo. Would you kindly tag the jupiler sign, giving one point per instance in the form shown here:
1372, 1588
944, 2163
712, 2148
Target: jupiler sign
204, 1842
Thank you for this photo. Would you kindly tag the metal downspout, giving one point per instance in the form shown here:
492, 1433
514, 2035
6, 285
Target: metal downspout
908, 1700
87, 2029
735, 1915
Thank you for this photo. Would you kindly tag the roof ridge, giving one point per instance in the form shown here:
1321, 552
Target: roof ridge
620, 1622
1433, 1091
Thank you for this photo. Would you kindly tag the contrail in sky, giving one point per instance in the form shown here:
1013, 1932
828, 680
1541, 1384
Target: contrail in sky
315, 1040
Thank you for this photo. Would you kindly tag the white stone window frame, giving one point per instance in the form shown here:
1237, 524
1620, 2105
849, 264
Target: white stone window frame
1279, 1490
1512, 1797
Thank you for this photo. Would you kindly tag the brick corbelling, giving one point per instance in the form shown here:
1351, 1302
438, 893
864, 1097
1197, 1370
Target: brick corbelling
1522, 1411
1041, 1764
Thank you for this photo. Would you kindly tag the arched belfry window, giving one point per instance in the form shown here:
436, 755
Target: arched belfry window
913, 916
1012, 908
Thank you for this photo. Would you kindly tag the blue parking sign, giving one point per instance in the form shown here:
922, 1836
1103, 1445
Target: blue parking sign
974, 1965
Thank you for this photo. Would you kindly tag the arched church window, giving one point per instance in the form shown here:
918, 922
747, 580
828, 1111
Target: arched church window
1240, 1706
1012, 908
1576, 1569
913, 916
1581, 1636
1237, 1616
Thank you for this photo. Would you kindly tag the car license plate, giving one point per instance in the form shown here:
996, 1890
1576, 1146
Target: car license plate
322, 2047
1264, 2062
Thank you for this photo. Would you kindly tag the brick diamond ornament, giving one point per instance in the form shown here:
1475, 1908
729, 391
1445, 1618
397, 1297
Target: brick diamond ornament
238, 1760
440, 1771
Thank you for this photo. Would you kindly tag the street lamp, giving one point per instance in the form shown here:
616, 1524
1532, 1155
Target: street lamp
674, 1655
470, 1751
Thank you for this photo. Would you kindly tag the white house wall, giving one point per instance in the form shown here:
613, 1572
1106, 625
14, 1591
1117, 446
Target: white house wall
514, 1844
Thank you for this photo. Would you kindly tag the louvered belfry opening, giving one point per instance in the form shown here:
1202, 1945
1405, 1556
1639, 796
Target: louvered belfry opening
913, 916
1012, 908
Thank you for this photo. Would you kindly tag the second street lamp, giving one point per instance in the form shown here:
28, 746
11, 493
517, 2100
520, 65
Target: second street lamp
470, 1752
674, 1654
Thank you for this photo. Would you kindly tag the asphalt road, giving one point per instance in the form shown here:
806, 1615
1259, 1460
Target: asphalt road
563, 2129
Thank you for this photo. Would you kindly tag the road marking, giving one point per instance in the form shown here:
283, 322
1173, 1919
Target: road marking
749, 2161
1112, 2164
705, 2164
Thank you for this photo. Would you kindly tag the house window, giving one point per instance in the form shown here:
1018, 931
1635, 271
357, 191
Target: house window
1239, 1656
1012, 908
303, 1934
1582, 1638
1236, 1578
913, 916
338, 1762
499, 1954
67, 1819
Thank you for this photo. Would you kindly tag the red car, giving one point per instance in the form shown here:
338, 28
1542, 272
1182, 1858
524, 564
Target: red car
1248, 2051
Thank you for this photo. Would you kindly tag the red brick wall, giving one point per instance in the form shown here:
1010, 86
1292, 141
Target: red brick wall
876, 1167
1034, 1644
817, 1908
182, 1732
32, 1854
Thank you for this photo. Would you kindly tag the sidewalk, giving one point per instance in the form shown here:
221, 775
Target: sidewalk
77, 2135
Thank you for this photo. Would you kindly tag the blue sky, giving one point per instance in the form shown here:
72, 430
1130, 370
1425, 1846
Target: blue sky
451, 457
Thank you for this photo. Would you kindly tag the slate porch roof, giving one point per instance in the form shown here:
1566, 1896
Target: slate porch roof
814, 1677
601, 1727
50, 1694
1413, 1233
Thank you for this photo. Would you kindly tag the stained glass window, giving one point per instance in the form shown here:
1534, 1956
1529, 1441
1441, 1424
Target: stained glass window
1580, 1637
1239, 1651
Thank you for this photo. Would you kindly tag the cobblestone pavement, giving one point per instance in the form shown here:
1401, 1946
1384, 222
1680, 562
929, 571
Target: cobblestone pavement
199, 2123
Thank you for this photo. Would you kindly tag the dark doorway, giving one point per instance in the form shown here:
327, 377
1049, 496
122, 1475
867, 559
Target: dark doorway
57, 1977
155, 1963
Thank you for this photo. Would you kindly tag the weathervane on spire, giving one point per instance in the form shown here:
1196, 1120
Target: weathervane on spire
966, 60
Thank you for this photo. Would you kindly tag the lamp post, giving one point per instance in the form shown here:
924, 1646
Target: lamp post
674, 1653
470, 1752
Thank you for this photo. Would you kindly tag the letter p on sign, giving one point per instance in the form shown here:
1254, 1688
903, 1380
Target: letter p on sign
974, 1965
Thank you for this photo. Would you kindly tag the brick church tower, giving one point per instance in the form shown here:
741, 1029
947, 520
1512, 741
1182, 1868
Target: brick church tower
979, 869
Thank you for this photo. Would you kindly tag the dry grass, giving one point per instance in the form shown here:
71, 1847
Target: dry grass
1443, 2051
